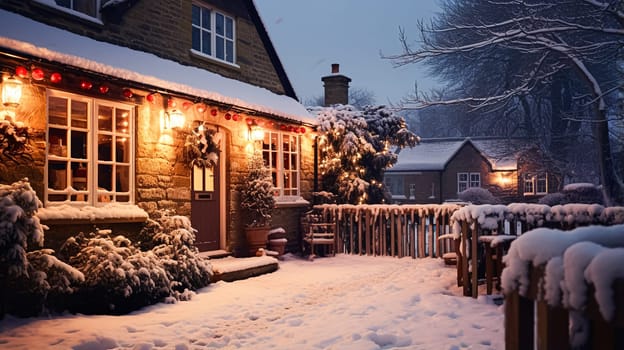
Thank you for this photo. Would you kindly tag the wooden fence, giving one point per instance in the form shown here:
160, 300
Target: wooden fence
486, 231
391, 230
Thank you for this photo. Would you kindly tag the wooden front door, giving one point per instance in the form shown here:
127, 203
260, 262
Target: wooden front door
205, 210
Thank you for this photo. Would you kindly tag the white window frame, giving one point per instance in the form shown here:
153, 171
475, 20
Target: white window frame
277, 164
471, 180
532, 183
91, 194
72, 11
211, 30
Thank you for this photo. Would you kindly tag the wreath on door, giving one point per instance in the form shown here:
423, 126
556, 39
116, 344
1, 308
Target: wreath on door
202, 147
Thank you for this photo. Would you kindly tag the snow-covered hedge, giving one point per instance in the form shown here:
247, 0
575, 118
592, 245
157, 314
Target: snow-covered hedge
93, 272
478, 195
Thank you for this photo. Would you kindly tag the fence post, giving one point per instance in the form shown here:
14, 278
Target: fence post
464, 257
518, 322
552, 327
474, 260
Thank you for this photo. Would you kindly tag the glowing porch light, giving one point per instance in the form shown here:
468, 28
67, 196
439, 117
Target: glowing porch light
11, 91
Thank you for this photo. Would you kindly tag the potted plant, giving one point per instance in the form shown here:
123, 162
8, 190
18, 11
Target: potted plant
257, 203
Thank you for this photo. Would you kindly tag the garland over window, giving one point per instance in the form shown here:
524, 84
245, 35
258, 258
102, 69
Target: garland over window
202, 147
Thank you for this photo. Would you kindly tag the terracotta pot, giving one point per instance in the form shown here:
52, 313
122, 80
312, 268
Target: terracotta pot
256, 238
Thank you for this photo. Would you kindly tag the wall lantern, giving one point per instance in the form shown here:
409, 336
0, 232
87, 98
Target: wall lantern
256, 133
11, 91
176, 119
504, 179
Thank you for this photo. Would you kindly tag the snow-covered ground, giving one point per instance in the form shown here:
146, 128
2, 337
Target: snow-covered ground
342, 302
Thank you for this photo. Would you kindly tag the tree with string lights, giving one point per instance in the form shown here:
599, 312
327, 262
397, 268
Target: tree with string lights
355, 148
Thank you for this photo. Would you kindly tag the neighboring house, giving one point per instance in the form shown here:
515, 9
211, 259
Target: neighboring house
437, 170
120, 96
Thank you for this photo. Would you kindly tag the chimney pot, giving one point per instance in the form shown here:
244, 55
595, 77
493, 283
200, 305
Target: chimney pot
335, 68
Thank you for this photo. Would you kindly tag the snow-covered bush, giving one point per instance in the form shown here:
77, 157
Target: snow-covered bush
553, 199
174, 245
47, 285
19, 227
478, 195
583, 193
118, 276
256, 192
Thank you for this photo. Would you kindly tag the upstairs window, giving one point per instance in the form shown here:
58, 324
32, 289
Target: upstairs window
213, 34
86, 9
89, 155
468, 180
280, 152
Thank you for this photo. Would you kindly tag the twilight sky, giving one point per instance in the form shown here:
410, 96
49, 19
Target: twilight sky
311, 35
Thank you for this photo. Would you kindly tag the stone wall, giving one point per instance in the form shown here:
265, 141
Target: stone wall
163, 27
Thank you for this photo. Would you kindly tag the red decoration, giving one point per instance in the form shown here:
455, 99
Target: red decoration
21, 72
201, 108
150, 98
56, 78
171, 103
186, 105
303, 130
37, 74
235, 117
228, 116
127, 93
249, 121
283, 127
86, 85
103, 89
214, 112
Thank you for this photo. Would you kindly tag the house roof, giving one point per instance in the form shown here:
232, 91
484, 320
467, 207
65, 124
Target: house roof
25, 36
434, 154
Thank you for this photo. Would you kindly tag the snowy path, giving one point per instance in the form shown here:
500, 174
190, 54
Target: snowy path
346, 302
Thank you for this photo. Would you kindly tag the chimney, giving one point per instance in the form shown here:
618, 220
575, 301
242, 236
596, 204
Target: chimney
336, 87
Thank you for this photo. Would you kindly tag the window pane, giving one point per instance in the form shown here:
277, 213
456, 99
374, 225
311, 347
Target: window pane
79, 144
229, 28
195, 16
79, 114
122, 178
122, 150
57, 140
79, 176
105, 118
105, 147
105, 177
206, 19
206, 45
87, 7
122, 124
196, 39
57, 175
219, 48
229, 51
57, 110
219, 25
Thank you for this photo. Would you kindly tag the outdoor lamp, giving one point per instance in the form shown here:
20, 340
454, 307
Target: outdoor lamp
176, 119
255, 132
11, 91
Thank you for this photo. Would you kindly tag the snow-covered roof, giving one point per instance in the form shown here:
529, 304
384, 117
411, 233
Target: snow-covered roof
30, 37
434, 154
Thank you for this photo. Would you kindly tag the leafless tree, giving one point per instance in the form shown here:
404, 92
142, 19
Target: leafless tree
553, 64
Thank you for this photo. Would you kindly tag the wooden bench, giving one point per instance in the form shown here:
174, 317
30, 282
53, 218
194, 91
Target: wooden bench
317, 232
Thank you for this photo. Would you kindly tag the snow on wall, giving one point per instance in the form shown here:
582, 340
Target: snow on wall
64, 47
109, 211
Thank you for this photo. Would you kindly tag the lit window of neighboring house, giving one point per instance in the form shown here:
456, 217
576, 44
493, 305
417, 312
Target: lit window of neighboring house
280, 152
467, 180
535, 184
213, 34
87, 9
90, 150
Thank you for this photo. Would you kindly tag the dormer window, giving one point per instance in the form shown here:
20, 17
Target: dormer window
213, 34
